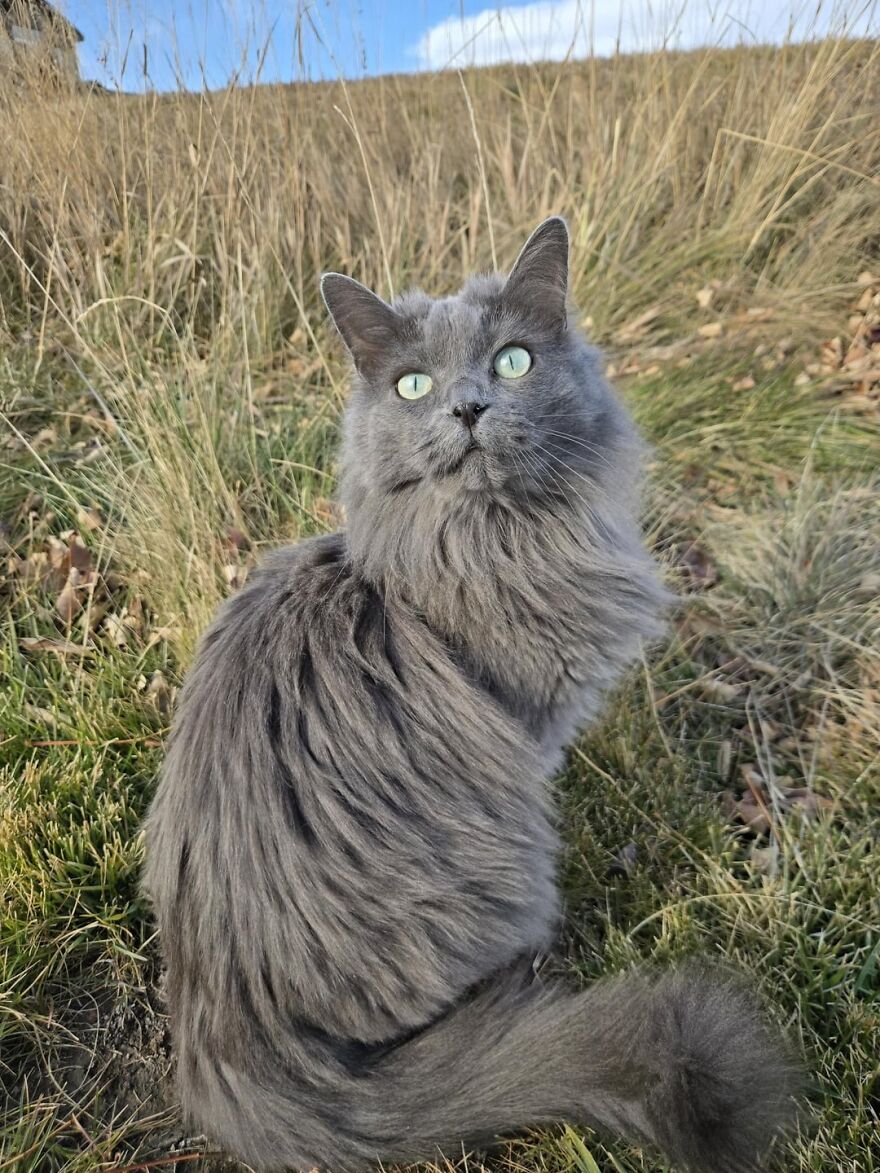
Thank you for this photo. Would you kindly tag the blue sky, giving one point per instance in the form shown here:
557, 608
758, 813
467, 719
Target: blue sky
162, 44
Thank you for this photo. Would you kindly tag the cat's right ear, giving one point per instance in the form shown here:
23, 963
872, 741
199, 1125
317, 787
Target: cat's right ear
368, 325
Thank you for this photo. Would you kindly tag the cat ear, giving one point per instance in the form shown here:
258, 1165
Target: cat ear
539, 279
368, 325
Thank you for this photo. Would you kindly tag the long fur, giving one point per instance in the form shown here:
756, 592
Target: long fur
351, 853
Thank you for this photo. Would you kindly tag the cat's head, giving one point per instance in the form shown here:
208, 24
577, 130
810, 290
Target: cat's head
492, 392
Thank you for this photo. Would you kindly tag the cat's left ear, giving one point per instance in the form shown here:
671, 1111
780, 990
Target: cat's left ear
539, 279
368, 325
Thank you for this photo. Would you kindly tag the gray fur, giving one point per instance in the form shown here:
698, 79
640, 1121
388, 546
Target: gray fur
351, 853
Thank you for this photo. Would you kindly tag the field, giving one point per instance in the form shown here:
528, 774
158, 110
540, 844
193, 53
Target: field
171, 391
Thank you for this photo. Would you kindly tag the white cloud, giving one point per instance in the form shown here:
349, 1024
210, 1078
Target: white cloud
550, 30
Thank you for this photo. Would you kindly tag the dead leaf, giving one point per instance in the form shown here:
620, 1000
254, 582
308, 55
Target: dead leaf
45, 643
806, 801
698, 568
638, 326
80, 555
770, 729
160, 693
704, 297
40, 716
33, 569
747, 383
237, 539
235, 575
710, 330
765, 859
720, 690
45, 438
831, 353
58, 553
752, 776
328, 511
68, 604
755, 816
115, 629
90, 519
160, 634
724, 759
763, 666
869, 586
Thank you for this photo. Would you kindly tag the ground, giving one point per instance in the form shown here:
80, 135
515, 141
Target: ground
171, 396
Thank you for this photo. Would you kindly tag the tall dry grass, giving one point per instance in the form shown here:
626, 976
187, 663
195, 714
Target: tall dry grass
163, 251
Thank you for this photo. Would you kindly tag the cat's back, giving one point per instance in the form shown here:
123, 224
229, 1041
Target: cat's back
292, 587
334, 785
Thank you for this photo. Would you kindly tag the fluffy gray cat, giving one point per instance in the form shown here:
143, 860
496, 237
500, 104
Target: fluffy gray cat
351, 853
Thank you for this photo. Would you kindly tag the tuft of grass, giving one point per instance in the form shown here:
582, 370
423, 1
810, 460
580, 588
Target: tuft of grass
171, 394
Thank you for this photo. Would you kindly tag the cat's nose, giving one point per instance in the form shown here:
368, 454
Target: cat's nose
468, 411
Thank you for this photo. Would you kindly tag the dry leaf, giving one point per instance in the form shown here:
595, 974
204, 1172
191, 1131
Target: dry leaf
765, 859
90, 519
33, 569
747, 383
45, 643
698, 568
237, 539
756, 817
869, 586
763, 666
159, 693
710, 330
58, 553
68, 604
752, 776
806, 801
327, 511
158, 634
235, 576
40, 716
637, 327
45, 438
724, 759
80, 555
115, 629
720, 690
704, 297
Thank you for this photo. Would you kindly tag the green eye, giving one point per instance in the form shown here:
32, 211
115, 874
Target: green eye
414, 386
512, 362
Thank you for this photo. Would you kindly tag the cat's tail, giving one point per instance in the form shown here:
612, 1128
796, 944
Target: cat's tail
680, 1062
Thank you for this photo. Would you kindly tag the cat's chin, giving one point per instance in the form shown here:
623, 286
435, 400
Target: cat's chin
476, 473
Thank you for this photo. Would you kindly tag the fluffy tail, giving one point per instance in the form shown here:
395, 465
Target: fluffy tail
681, 1062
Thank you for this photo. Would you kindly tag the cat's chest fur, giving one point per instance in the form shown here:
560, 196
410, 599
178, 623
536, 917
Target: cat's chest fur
541, 616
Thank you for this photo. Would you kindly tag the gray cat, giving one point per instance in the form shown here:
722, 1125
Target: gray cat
351, 853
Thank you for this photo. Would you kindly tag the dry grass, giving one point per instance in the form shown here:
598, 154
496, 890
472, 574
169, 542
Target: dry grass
165, 361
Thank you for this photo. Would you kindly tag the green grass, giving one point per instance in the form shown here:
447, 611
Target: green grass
166, 363
788, 629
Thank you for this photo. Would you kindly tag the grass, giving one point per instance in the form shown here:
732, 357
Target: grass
171, 395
